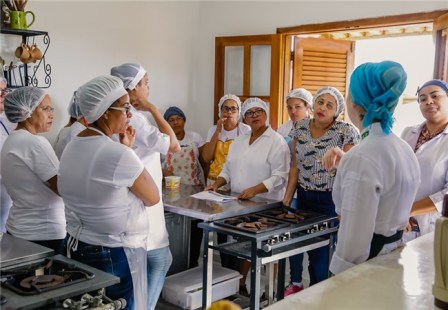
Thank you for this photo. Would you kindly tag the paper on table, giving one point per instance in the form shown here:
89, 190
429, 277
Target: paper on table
213, 196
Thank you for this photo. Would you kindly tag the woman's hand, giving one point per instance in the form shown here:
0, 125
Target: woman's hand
287, 202
332, 158
248, 193
211, 187
128, 137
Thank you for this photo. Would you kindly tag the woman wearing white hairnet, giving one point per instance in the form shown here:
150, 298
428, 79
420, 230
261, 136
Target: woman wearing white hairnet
298, 104
103, 183
377, 180
312, 137
29, 170
150, 141
6, 127
75, 125
257, 163
221, 135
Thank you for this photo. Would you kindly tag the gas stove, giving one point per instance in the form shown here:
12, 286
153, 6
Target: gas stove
33, 278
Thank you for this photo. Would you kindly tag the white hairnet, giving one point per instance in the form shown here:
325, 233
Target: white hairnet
73, 108
336, 94
20, 104
130, 73
229, 97
254, 102
97, 95
302, 94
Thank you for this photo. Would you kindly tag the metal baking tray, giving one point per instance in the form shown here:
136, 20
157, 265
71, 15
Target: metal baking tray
266, 223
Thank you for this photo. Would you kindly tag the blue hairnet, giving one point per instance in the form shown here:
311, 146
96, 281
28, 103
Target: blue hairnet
131, 74
174, 111
20, 104
73, 108
442, 84
340, 101
376, 87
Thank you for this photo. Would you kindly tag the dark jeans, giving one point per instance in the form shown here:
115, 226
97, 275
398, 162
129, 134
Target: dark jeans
227, 260
319, 259
110, 260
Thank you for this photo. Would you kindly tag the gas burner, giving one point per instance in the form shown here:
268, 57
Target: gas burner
43, 281
43, 276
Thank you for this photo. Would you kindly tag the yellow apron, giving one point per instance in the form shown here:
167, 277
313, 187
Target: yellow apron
221, 151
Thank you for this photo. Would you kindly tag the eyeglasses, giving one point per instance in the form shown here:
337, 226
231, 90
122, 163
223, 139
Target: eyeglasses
4, 92
126, 109
229, 109
175, 119
255, 113
48, 109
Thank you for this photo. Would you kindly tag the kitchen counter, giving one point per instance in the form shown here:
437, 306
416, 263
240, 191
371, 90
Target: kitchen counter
400, 280
179, 201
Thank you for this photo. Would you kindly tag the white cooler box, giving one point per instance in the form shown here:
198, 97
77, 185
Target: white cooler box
184, 289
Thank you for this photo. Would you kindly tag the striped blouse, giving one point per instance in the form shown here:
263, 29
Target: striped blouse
309, 152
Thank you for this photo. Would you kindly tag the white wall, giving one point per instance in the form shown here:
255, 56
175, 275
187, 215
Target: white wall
174, 41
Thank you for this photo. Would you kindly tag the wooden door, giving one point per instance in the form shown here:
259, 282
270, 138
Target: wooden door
250, 66
440, 33
321, 62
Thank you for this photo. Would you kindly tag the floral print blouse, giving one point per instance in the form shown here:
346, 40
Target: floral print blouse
309, 152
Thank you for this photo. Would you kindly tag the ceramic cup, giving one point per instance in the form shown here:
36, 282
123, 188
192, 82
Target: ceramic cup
23, 53
18, 19
36, 53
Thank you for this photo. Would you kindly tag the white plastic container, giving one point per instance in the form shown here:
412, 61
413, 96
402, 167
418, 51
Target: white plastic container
184, 289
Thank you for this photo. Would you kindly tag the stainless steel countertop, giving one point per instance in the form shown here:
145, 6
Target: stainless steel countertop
401, 279
15, 251
180, 202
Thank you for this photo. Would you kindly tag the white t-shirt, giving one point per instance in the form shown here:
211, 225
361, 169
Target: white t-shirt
266, 160
94, 179
150, 143
27, 162
6, 127
433, 159
374, 189
225, 135
66, 135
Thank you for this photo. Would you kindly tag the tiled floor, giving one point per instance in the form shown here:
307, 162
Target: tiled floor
241, 300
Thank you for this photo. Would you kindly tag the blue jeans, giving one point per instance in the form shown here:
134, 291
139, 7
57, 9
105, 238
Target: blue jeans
320, 202
110, 260
296, 261
159, 261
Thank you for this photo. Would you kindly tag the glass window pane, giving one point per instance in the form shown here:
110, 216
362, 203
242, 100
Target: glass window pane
260, 70
233, 70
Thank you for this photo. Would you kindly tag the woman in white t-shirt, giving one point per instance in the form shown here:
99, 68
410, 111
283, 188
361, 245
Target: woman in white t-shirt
104, 185
29, 170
